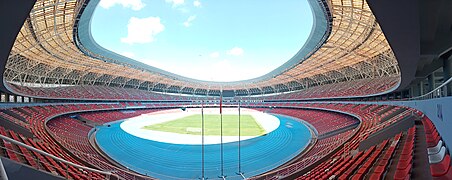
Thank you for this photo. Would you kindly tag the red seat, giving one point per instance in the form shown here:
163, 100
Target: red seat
429, 128
406, 157
412, 131
432, 135
375, 176
433, 142
402, 174
408, 148
362, 170
357, 176
432, 139
403, 164
441, 168
384, 162
379, 169
447, 176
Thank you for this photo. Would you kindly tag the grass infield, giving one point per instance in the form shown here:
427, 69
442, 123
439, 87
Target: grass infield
192, 125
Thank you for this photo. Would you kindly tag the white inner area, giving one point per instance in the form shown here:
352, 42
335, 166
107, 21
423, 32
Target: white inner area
134, 126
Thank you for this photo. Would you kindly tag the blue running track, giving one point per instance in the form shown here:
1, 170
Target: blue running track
176, 161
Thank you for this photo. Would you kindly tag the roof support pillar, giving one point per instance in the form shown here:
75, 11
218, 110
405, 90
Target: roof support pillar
431, 81
447, 69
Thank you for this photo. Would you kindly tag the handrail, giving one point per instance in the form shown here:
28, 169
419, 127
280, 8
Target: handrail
440, 91
4, 105
106, 173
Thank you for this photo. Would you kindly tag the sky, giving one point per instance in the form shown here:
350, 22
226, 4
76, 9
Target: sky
212, 40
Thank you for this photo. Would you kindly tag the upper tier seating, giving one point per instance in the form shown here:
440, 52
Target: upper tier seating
342, 89
93, 92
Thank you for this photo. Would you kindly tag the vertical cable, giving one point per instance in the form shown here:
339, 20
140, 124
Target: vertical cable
221, 134
239, 147
240, 170
222, 168
202, 134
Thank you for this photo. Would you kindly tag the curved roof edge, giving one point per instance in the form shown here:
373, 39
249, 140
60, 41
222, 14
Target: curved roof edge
83, 39
396, 18
10, 29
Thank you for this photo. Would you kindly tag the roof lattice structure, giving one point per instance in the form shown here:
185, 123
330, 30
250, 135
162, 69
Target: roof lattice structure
347, 44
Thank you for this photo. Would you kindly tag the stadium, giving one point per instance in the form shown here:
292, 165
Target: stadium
365, 96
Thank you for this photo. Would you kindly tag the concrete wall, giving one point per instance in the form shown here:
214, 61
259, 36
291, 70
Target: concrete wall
439, 111
387, 132
17, 171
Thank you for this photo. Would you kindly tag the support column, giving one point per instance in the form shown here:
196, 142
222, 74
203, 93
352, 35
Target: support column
19, 99
421, 87
11, 98
447, 69
415, 90
2, 97
431, 82
412, 91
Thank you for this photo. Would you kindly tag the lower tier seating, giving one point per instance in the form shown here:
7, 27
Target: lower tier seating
337, 156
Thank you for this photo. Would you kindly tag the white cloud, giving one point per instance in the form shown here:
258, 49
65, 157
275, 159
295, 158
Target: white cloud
133, 4
197, 3
214, 55
142, 30
128, 54
187, 23
175, 2
236, 51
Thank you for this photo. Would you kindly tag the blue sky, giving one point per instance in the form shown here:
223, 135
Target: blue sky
214, 40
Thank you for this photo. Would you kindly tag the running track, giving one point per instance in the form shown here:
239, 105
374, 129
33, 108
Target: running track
176, 161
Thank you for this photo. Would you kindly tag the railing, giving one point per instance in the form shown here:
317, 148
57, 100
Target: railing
7, 105
441, 91
61, 167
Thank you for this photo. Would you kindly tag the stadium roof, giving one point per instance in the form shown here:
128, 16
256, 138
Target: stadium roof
55, 46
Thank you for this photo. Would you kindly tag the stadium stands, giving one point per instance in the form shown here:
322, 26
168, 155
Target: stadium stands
92, 93
48, 144
362, 54
333, 156
324, 122
344, 89
73, 135
439, 159
373, 163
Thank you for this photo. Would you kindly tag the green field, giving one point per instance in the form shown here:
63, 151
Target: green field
192, 125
